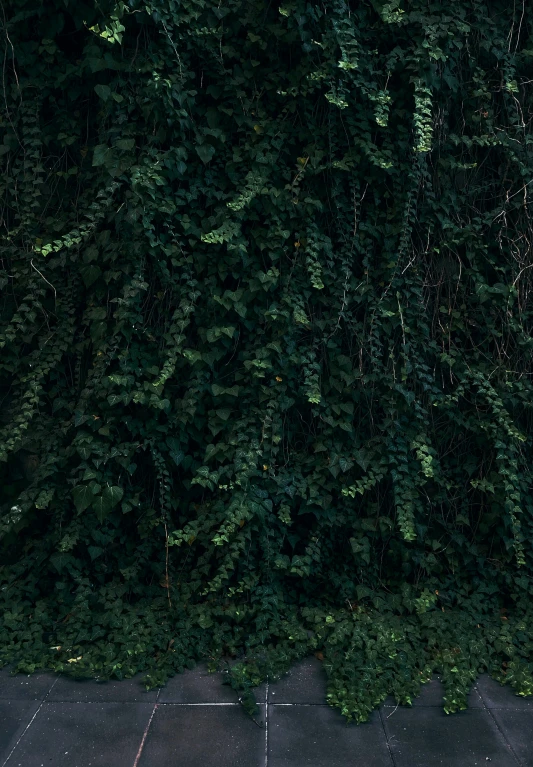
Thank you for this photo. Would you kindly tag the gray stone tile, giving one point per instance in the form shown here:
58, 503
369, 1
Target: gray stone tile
83, 735
318, 736
517, 728
15, 715
200, 686
24, 686
496, 695
305, 683
432, 694
203, 736
427, 737
91, 691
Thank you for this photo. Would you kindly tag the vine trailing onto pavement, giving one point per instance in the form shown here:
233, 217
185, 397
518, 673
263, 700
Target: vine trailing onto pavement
266, 341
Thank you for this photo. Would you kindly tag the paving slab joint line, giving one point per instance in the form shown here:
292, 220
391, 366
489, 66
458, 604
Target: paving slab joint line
389, 747
29, 723
301, 705
506, 740
171, 703
502, 733
266, 725
145, 733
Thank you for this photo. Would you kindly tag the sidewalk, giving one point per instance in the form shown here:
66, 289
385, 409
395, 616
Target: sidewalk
195, 721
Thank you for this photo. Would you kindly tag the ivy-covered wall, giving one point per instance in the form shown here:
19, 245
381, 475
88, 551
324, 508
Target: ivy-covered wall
266, 340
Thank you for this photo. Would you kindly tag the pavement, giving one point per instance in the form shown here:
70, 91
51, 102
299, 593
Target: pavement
195, 721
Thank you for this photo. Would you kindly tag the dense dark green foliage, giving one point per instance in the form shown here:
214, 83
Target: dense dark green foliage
266, 340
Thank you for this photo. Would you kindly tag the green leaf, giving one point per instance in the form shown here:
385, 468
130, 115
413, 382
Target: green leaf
176, 453
100, 313
114, 494
83, 497
89, 273
44, 498
103, 91
102, 155
125, 143
177, 456
193, 355
80, 418
105, 502
205, 152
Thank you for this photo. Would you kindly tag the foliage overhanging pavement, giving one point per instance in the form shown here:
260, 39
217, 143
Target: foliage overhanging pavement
266, 340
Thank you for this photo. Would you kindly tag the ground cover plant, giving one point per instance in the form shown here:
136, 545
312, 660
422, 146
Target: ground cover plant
266, 341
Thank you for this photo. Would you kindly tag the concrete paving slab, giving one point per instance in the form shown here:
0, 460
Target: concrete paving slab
517, 728
305, 683
317, 736
15, 715
204, 736
427, 737
46, 720
496, 695
83, 735
25, 686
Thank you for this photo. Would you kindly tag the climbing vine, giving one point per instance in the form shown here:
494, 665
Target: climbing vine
266, 331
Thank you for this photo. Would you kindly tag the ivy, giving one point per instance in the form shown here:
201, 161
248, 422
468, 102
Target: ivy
266, 331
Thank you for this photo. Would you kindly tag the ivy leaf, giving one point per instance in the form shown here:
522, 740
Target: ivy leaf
90, 273
105, 502
79, 418
125, 143
363, 591
177, 456
83, 497
94, 551
205, 152
103, 91
363, 459
175, 453
102, 155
